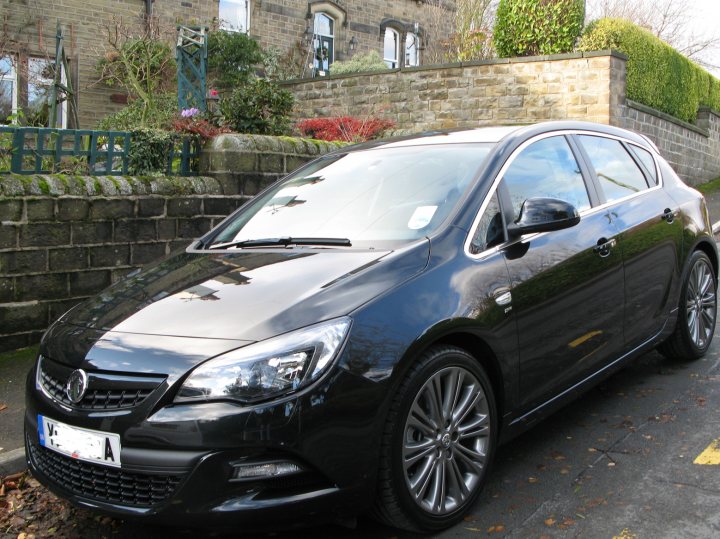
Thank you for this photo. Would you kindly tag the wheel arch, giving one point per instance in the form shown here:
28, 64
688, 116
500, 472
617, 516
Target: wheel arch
705, 246
479, 349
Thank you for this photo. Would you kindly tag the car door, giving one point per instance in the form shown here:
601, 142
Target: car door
566, 285
650, 231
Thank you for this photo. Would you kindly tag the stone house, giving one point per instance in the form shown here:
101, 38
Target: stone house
323, 31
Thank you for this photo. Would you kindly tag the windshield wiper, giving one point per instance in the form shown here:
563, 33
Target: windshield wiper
283, 241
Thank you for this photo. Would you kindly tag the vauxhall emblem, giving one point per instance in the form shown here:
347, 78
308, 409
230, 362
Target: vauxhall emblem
76, 386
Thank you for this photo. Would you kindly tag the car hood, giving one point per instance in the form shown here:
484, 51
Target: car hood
246, 296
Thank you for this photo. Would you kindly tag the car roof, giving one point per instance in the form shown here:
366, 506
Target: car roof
496, 134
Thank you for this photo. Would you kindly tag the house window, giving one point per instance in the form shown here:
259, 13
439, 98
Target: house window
31, 92
40, 80
8, 89
234, 15
412, 49
392, 48
323, 42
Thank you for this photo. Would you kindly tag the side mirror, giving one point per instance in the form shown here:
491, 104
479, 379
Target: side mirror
544, 215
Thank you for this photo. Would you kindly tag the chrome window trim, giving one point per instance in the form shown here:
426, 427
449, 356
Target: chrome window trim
590, 211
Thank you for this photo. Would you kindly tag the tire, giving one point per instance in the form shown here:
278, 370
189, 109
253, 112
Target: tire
419, 455
697, 312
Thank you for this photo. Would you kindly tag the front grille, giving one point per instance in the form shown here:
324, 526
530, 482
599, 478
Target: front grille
95, 399
105, 391
103, 483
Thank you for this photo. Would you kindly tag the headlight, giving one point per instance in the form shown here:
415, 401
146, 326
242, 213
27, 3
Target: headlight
268, 368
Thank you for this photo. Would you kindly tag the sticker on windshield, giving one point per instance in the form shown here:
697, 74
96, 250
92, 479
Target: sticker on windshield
421, 217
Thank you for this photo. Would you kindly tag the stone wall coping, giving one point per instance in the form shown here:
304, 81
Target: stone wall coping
709, 110
234, 142
57, 185
649, 110
471, 63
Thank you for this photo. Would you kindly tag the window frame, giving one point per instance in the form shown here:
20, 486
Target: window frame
12, 77
22, 80
248, 10
392, 64
61, 110
588, 175
416, 43
317, 66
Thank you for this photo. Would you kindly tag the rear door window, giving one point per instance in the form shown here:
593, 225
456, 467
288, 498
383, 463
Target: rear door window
648, 162
617, 172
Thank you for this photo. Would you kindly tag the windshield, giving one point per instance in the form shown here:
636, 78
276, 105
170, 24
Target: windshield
364, 199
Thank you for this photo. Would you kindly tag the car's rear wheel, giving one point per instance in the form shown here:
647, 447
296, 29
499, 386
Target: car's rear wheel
697, 311
438, 442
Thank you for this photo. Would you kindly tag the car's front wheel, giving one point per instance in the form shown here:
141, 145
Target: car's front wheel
697, 311
438, 442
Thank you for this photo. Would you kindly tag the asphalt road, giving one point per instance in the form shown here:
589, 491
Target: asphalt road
618, 462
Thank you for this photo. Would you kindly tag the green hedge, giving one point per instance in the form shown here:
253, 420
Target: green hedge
657, 75
533, 27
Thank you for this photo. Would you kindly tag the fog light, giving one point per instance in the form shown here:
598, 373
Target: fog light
264, 470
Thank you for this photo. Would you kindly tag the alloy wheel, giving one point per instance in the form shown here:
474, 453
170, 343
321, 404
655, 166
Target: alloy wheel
700, 304
446, 440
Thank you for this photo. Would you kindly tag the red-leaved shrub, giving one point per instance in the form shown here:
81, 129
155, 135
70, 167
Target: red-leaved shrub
347, 128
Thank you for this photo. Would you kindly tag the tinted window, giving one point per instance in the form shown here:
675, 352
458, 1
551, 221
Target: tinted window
648, 162
618, 174
489, 231
546, 168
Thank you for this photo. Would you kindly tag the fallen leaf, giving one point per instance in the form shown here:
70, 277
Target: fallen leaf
3, 407
564, 471
532, 479
550, 521
611, 464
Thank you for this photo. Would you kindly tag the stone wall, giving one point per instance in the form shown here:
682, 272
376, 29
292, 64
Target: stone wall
245, 164
64, 239
579, 86
469, 94
693, 150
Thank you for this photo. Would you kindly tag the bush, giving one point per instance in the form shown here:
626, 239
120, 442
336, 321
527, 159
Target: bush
258, 107
157, 114
232, 57
372, 61
533, 27
657, 75
149, 151
347, 128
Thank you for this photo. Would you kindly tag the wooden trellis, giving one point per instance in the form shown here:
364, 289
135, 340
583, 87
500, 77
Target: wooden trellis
191, 55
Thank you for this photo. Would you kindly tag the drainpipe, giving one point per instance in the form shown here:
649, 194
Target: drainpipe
148, 8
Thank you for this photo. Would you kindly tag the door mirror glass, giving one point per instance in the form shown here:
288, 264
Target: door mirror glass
544, 215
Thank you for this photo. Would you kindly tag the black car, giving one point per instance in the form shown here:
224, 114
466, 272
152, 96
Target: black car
362, 335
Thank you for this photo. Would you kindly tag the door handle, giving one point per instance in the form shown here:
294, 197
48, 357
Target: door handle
604, 246
669, 215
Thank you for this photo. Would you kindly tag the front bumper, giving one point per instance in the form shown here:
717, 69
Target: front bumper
178, 460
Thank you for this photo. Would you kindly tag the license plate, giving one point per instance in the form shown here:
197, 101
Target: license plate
83, 444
